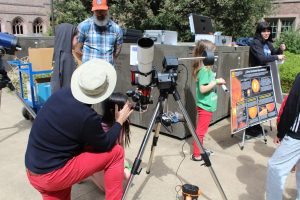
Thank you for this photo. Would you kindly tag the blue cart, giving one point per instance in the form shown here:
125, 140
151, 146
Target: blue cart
34, 104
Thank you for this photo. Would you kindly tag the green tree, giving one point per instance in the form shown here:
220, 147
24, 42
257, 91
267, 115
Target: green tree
235, 17
69, 11
291, 39
232, 17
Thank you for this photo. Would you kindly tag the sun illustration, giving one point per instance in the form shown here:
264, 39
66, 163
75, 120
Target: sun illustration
255, 85
252, 112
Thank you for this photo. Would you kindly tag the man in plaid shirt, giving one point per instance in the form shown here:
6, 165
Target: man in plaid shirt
99, 36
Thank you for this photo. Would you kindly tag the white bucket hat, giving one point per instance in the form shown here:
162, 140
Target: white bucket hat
93, 81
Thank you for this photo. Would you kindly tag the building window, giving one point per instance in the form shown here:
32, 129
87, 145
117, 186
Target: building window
38, 26
273, 25
286, 25
280, 25
18, 26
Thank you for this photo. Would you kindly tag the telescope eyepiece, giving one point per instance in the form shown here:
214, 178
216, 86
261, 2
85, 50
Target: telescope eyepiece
145, 42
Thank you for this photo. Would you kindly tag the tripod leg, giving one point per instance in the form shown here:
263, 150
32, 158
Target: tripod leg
204, 155
135, 168
155, 138
154, 144
0, 97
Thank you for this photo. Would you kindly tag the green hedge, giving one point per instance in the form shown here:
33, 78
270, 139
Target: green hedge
288, 70
291, 39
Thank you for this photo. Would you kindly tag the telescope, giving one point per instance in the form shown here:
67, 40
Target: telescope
145, 76
9, 44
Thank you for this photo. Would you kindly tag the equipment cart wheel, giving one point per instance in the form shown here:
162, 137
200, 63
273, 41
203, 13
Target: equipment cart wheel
26, 114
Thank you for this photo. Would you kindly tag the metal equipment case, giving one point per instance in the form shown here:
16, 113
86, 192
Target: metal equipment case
162, 36
218, 40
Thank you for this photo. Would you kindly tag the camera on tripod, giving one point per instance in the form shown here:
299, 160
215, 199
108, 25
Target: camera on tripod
145, 76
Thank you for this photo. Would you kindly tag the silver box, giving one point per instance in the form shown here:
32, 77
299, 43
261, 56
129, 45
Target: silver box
218, 40
162, 36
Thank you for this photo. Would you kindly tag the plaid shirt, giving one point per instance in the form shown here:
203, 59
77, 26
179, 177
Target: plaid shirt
97, 43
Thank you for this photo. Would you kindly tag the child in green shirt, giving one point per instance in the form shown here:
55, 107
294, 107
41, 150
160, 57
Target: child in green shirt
206, 97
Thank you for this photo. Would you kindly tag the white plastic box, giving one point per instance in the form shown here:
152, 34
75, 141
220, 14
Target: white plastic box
218, 40
162, 36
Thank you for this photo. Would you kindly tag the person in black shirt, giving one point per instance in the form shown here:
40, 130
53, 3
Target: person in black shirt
288, 153
261, 53
261, 48
67, 143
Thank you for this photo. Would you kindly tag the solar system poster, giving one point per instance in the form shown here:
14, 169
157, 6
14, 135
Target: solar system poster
252, 97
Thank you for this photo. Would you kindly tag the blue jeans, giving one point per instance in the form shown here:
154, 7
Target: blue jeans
282, 161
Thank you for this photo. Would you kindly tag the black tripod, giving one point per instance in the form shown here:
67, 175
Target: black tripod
158, 111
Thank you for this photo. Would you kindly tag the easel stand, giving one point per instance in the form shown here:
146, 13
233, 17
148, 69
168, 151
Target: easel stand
158, 111
242, 144
0, 96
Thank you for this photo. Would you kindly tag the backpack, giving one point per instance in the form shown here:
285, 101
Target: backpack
244, 41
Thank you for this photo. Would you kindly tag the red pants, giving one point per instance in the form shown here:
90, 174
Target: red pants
56, 185
204, 118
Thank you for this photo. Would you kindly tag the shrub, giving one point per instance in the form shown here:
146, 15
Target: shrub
291, 40
288, 70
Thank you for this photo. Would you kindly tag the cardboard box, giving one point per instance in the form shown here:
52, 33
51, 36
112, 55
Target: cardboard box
41, 58
162, 36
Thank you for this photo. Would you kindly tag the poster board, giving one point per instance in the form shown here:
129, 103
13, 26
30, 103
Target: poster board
40, 58
253, 100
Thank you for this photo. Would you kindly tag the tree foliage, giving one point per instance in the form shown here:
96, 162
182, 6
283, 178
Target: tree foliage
291, 39
69, 11
232, 17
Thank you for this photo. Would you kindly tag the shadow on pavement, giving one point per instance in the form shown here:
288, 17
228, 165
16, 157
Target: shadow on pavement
20, 126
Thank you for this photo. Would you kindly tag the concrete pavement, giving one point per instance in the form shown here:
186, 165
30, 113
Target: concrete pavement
242, 174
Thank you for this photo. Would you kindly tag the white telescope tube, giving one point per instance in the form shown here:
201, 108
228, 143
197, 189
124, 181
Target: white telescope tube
145, 53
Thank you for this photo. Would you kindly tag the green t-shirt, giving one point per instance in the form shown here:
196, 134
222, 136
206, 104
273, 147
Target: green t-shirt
208, 100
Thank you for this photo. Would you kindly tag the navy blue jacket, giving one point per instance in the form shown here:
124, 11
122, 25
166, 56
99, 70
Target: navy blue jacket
257, 56
62, 130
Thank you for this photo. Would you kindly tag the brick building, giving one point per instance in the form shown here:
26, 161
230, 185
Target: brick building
286, 16
25, 17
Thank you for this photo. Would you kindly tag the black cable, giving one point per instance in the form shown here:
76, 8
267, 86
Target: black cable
184, 156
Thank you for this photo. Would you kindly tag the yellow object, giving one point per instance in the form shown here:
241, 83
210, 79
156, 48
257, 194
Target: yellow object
252, 112
255, 85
